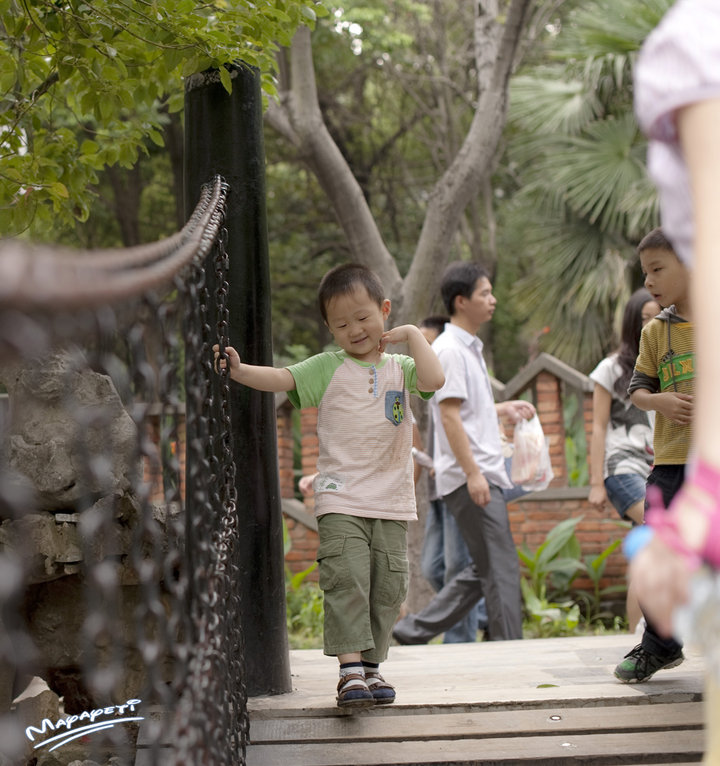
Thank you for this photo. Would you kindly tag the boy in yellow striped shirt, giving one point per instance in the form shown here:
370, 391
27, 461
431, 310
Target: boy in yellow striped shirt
663, 381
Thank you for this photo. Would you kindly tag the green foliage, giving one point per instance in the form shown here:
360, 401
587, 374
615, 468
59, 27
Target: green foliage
85, 86
594, 568
88, 85
304, 612
304, 242
396, 85
554, 564
304, 604
583, 194
552, 606
575, 441
548, 619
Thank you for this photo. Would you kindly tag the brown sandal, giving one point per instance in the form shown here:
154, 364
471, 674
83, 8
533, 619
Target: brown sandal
353, 691
381, 690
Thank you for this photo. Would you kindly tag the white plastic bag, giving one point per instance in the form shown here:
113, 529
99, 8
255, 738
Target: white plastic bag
531, 467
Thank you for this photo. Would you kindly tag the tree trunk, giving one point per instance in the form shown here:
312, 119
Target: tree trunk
297, 116
302, 122
127, 188
495, 46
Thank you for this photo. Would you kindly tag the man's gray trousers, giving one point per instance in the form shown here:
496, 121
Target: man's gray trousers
495, 574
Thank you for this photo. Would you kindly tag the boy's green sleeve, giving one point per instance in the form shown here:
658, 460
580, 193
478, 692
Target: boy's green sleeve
312, 377
410, 372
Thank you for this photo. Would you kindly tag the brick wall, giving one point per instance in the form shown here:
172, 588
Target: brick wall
549, 381
285, 449
299, 516
304, 542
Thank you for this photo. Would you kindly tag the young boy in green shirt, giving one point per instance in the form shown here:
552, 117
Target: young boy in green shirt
364, 491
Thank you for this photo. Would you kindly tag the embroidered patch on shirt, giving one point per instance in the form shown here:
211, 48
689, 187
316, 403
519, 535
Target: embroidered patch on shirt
326, 482
676, 368
395, 407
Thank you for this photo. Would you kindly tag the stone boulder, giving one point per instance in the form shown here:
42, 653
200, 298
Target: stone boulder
68, 432
54, 544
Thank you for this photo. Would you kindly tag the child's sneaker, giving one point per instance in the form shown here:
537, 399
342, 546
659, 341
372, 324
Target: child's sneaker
640, 665
383, 693
353, 691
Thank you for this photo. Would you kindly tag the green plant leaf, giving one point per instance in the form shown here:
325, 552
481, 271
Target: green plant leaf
297, 579
225, 79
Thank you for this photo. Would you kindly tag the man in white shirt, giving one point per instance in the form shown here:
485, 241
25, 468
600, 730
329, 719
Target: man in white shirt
470, 468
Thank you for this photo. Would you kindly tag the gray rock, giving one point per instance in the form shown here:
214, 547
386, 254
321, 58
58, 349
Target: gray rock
69, 432
31, 711
56, 612
48, 547
54, 545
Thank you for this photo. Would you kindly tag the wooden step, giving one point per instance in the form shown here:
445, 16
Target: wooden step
632, 734
367, 727
597, 749
542, 702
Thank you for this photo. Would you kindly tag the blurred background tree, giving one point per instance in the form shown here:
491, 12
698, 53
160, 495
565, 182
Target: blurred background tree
577, 160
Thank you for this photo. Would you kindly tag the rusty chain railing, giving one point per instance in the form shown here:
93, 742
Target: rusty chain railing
122, 606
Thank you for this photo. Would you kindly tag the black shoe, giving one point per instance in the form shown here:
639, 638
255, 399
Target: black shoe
640, 665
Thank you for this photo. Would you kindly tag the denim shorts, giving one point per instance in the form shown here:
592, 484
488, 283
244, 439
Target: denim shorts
624, 490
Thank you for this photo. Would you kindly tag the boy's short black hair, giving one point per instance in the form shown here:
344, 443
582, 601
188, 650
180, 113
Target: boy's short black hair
655, 240
460, 278
435, 322
343, 280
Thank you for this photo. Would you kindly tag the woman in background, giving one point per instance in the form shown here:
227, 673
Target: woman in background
621, 453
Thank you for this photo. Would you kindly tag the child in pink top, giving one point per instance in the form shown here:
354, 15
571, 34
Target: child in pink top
678, 106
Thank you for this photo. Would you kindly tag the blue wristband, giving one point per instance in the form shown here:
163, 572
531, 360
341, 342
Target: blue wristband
636, 540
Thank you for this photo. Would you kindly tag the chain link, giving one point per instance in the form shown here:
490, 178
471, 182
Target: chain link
216, 690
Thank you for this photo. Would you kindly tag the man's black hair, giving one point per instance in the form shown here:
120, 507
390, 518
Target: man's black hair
460, 278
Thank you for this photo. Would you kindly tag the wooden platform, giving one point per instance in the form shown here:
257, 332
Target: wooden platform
541, 702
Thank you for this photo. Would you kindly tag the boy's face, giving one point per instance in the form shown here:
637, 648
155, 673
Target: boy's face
665, 276
357, 322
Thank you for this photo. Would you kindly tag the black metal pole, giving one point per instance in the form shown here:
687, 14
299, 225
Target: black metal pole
224, 135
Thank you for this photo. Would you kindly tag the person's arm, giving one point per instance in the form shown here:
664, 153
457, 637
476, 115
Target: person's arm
515, 410
430, 376
417, 443
697, 127
672, 404
659, 574
700, 142
661, 579
273, 379
602, 400
305, 485
460, 444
